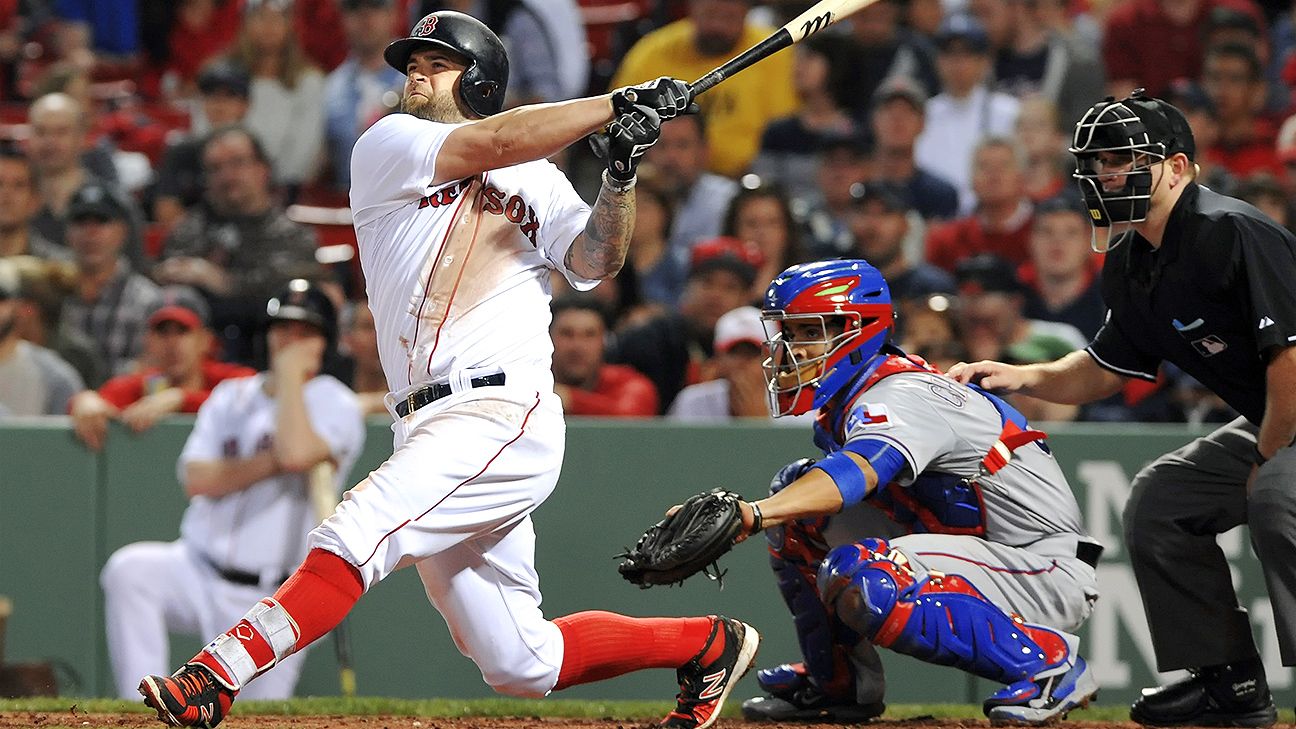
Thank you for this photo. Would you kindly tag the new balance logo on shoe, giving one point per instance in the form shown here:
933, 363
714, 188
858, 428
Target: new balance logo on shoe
714, 684
705, 686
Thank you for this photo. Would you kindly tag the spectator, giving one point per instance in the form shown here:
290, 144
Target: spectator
224, 87
1035, 61
44, 284
883, 48
176, 376
1061, 276
360, 342
244, 469
363, 88
884, 225
33, 380
700, 197
1001, 222
586, 384
787, 145
200, 32
1233, 79
58, 140
1265, 192
1133, 60
843, 163
993, 326
284, 109
927, 328
1189, 97
966, 110
658, 272
763, 216
672, 348
736, 111
899, 110
111, 300
740, 389
1048, 166
238, 246
18, 205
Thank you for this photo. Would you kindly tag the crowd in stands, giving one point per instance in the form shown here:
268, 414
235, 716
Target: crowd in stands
166, 165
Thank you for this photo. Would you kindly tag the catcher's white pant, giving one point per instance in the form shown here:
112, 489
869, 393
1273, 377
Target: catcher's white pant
152, 589
455, 499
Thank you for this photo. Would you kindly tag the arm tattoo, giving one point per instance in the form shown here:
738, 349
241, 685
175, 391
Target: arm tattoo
600, 251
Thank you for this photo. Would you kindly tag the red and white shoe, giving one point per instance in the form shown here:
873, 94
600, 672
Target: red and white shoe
704, 687
192, 696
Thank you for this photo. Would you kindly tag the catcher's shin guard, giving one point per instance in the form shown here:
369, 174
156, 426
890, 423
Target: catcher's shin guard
796, 551
941, 619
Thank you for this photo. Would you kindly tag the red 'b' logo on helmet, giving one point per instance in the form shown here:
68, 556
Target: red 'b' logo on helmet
425, 27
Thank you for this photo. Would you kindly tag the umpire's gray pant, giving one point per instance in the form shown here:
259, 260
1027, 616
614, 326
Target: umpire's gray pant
1178, 504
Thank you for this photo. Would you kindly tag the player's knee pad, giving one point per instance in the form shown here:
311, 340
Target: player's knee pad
941, 619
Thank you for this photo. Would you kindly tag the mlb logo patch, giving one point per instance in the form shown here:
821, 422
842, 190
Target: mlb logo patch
1210, 346
870, 416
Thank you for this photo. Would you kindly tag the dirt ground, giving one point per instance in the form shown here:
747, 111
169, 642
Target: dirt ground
49, 720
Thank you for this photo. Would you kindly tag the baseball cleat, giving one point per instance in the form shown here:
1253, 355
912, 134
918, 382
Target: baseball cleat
1040, 701
1234, 695
190, 697
704, 687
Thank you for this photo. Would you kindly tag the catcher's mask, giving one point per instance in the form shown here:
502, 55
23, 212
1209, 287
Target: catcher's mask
486, 77
1116, 145
848, 304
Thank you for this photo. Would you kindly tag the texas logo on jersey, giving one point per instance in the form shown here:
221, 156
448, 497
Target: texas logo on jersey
869, 416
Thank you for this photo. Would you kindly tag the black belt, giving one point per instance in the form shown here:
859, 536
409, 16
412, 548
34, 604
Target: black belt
1089, 553
432, 393
239, 577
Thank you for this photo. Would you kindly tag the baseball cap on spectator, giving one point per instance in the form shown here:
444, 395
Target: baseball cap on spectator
725, 253
892, 196
987, 274
964, 29
224, 76
901, 87
181, 305
858, 143
739, 326
96, 200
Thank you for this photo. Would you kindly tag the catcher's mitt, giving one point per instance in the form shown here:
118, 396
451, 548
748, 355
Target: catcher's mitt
686, 542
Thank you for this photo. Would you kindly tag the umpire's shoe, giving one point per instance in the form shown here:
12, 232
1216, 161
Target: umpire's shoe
1235, 694
190, 697
705, 686
1043, 700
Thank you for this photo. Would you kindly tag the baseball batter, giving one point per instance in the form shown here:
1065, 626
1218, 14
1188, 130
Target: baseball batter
460, 221
993, 573
244, 469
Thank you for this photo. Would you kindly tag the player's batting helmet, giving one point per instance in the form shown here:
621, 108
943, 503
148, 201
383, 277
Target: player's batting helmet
850, 303
486, 77
303, 301
1132, 135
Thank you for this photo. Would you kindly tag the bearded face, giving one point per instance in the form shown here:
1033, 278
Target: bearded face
440, 107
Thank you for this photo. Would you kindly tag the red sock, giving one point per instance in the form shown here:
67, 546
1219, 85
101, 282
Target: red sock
319, 594
599, 645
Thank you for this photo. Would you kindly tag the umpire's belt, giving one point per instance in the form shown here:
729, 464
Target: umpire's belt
1089, 553
432, 393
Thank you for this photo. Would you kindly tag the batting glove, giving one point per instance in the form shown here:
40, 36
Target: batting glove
669, 97
626, 140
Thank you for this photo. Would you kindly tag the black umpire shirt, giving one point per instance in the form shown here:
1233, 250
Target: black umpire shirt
1216, 299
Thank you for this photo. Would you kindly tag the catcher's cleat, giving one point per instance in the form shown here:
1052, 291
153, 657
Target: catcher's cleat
1228, 695
806, 703
190, 697
704, 687
783, 680
1041, 701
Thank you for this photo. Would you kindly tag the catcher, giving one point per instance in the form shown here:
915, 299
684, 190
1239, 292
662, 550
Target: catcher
992, 572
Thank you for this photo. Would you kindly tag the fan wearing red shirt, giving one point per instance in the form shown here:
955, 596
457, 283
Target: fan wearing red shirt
585, 383
1001, 223
176, 375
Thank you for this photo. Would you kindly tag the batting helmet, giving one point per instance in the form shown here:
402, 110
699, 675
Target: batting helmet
484, 81
1136, 133
850, 293
303, 301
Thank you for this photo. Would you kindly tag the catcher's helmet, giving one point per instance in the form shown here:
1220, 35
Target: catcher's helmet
1140, 129
303, 301
484, 80
850, 293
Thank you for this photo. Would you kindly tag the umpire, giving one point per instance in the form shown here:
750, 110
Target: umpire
1204, 281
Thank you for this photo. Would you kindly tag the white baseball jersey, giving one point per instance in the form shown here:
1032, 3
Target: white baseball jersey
457, 272
263, 528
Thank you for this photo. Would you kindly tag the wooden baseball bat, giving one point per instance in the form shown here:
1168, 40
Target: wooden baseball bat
821, 15
322, 484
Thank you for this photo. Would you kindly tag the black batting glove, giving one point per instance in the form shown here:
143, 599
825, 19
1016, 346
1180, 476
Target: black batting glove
625, 141
669, 97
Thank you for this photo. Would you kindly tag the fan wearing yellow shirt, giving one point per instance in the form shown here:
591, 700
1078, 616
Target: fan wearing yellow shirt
736, 111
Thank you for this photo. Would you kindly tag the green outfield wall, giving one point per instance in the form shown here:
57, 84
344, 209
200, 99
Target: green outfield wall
64, 510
